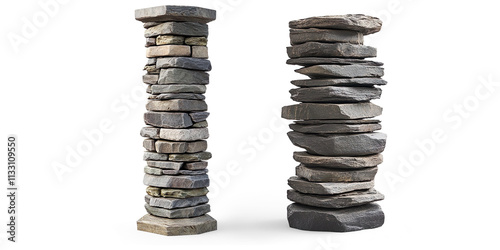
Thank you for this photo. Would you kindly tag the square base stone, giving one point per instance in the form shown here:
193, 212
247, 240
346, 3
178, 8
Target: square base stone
172, 227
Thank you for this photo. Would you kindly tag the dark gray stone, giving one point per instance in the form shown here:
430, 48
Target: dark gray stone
168, 120
335, 220
333, 94
177, 213
348, 82
313, 111
327, 188
168, 13
177, 181
358, 121
298, 36
350, 71
351, 199
335, 175
340, 144
164, 164
150, 24
150, 156
335, 128
187, 96
177, 28
308, 61
201, 156
176, 105
199, 116
184, 62
182, 76
171, 203
339, 161
356, 22
150, 132
178, 88
315, 49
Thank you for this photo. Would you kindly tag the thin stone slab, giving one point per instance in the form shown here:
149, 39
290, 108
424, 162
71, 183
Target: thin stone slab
184, 62
168, 50
327, 188
168, 120
198, 165
199, 116
308, 61
351, 199
347, 82
177, 147
176, 193
350, 71
202, 124
335, 128
176, 105
335, 175
298, 36
192, 134
178, 88
150, 132
153, 171
356, 121
331, 94
177, 181
183, 76
313, 111
172, 227
151, 156
177, 213
339, 144
197, 41
150, 79
335, 220
172, 203
355, 22
164, 164
187, 96
185, 172
315, 49
149, 24
177, 28
201, 156
168, 39
166, 13
339, 161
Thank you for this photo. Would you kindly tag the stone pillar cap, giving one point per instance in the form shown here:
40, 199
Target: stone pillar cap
166, 13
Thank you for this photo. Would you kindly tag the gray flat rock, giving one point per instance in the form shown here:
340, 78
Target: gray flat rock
164, 164
149, 24
201, 156
198, 165
150, 132
185, 172
202, 124
177, 28
348, 82
172, 203
317, 111
184, 62
150, 79
351, 199
166, 13
168, 119
335, 175
171, 227
176, 105
339, 161
356, 22
308, 61
151, 61
315, 49
187, 96
176, 193
298, 36
192, 134
182, 76
327, 188
356, 121
349, 71
153, 171
335, 128
179, 147
177, 213
149, 145
199, 116
178, 88
332, 94
335, 220
340, 144
177, 181
150, 156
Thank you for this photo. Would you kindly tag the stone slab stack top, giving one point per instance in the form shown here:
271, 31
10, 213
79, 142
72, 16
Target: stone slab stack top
333, 189
176, 132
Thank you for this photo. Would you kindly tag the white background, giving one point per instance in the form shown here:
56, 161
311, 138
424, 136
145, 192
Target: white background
81, 65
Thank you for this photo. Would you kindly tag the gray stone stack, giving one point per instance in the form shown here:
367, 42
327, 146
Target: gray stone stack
333, 189
176, 166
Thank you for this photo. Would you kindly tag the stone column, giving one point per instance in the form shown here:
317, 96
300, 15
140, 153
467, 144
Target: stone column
333, 189
176, 166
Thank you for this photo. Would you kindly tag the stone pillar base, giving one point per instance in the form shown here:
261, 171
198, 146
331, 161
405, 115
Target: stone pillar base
172, 227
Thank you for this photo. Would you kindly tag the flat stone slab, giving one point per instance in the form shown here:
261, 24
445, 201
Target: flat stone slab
199, 116
340, 144
196, 165
351, 199
335, 128
192, 134
348, 82
172, 203
150, 79
184, 62
335, 220
356, 22
150, 132
315, 49
308, 61
177, 181
175, 193
175, 147
171, 227
356, 121
327, 188
177, 28
350, 71
338, 161
151, 156
168, 50
298, 36
168, 39
335, 175
176, 105
178, 88
313, 111
183, 76
168, 120
202, 156
187, 96
332, 94
168, 165
166, 13
178, 213
185, 172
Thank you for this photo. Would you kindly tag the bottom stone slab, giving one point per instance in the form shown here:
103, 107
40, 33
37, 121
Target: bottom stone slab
335, 220
173, 227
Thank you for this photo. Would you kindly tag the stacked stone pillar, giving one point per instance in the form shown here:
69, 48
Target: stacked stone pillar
176, 131
333, 189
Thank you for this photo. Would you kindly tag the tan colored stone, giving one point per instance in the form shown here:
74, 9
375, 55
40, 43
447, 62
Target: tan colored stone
199, 52
169, 39
168, 50
171, 147
185, 226
149, 144
200, 40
